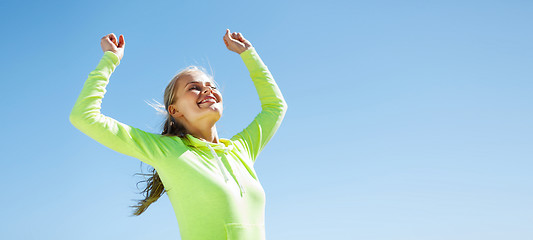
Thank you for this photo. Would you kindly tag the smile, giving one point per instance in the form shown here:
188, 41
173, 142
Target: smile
208, 99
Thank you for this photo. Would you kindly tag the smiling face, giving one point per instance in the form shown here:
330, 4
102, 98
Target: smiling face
196, 100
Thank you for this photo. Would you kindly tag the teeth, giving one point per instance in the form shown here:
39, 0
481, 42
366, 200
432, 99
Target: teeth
208, 99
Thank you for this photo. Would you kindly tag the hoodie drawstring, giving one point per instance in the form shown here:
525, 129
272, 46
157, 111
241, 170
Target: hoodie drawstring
221, 166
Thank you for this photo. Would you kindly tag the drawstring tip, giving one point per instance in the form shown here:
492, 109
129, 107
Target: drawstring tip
242, 190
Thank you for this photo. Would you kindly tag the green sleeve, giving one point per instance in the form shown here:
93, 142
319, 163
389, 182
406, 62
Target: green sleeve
86, 117
256, 135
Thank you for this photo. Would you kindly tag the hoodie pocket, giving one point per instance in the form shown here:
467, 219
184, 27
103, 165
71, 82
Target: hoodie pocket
244, 231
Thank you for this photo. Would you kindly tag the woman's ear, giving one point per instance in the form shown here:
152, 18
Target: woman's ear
170, 109
174, 112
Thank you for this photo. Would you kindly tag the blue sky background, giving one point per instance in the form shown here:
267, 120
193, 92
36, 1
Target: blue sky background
406, 120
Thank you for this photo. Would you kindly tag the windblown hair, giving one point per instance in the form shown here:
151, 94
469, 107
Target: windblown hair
154, 186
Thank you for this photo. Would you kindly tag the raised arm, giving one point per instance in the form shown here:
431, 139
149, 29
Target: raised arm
86, 116
258, 133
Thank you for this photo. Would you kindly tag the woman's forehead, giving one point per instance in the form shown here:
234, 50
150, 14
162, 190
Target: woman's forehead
194, 77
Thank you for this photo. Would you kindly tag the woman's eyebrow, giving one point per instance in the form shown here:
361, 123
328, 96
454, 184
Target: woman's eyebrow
196, 82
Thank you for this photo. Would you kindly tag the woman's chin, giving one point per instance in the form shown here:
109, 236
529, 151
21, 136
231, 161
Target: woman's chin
212, 110
214, 107
215, 112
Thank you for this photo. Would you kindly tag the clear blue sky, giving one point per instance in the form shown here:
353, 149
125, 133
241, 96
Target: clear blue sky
407, 119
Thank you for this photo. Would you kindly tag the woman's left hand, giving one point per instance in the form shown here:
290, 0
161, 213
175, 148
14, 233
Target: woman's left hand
109, 43
236, 42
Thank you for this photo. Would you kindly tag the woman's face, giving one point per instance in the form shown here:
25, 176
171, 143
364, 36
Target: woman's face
197, 100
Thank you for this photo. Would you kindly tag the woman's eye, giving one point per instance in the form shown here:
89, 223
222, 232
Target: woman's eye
196, 87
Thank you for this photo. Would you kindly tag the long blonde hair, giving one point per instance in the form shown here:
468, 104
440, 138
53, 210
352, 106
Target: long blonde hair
154, 186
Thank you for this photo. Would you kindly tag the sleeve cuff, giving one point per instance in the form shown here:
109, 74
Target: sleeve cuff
252, 60
249, 53
113, 57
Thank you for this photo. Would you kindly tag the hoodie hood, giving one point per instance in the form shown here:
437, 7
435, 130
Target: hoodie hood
224, 146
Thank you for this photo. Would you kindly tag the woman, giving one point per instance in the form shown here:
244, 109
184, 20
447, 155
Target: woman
210, 181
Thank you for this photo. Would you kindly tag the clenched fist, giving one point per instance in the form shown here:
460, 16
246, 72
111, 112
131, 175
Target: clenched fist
236, 42
109, 43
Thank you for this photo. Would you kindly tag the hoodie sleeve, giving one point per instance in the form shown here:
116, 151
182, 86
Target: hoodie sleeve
86, 117
256, 135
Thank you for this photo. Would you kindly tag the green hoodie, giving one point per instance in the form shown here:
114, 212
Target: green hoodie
213, 188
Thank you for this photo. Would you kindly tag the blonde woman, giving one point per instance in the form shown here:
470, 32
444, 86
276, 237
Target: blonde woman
210, 181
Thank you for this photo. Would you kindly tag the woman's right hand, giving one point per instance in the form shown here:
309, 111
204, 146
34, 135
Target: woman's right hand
109, 43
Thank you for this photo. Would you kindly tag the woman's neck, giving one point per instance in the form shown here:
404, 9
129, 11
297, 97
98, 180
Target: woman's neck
206, 134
